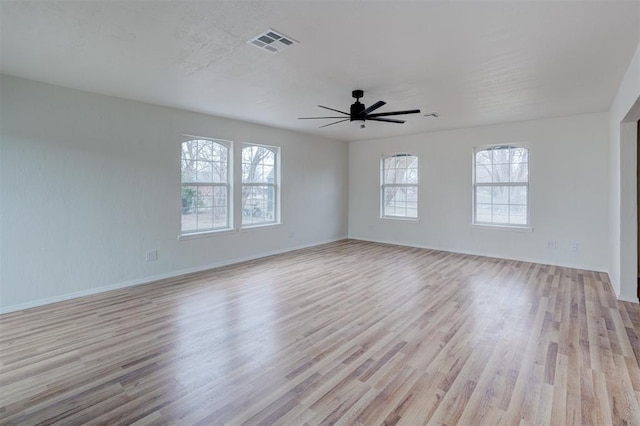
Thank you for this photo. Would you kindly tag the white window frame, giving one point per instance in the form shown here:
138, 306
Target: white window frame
275, 185
228, 185
384, 185
510, 183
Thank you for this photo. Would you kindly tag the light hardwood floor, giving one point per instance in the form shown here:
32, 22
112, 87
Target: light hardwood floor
349, 332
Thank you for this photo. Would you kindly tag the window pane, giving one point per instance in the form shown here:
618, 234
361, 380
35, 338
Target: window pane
205, 197
400, 201
219, 153
389, 163
483, 157
518, 215
500, 213
483, 194
399, 169
204, 207
205, 217
500, 195
219, 172
220, 217
395, 176
484, 174
500, 155
188, 171
190, 149
394, 198
189, 221
220, 207
501, 173
246, 167
258, 164
388, 175
388, 203
219, 196
411, 202
203, 172
518, 195
520, 172
204, 161
412, 176
519, 155
483, 213
504, 203
412, 209
258, 204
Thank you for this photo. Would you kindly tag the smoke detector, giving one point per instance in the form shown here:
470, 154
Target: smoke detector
272, 41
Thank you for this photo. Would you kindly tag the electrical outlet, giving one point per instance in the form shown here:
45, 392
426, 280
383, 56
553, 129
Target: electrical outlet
552, 244
152, 255
575, 247
292, 234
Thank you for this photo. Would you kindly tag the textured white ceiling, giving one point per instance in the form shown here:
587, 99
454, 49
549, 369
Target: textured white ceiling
476, 63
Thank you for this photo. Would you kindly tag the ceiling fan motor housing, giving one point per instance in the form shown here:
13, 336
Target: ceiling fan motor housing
357, 111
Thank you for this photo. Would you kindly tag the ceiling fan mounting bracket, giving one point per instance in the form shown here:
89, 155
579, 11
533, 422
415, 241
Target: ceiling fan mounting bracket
357, 94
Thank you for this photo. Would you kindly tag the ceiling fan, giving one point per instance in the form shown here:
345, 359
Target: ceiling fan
359, 112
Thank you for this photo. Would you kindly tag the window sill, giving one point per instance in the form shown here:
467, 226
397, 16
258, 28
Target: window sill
401, 219
205, 234
502, 227
261, 226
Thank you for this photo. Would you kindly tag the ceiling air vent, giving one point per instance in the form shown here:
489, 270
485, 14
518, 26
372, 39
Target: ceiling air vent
272, 41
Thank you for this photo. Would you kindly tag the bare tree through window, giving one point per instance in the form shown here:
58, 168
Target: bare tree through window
205, 185
501, 185
259, 185
399, 188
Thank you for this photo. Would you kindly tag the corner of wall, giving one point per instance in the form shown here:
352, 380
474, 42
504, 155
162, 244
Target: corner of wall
622, 185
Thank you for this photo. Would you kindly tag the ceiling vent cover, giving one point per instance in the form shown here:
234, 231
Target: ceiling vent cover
272, 41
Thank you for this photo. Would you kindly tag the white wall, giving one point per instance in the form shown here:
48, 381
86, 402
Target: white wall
89, 183
625, 112
569, 184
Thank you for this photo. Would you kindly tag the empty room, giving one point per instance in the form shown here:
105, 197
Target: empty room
349, 212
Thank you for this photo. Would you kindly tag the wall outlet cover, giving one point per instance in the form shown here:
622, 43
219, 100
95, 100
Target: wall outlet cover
152, 255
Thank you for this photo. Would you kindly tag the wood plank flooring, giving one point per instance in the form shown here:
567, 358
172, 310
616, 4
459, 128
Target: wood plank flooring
348, 333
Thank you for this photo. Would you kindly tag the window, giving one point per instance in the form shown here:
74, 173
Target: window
259, 185
399, 189
206, 192
501, 186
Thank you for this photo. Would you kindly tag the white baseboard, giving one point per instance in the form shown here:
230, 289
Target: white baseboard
519, 259
153, 278
485, 254
628, 299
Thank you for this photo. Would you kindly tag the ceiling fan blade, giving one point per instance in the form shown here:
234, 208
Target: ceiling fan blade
335, 122
374, 107
315, 118
387, 120
336, 110
384, 114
